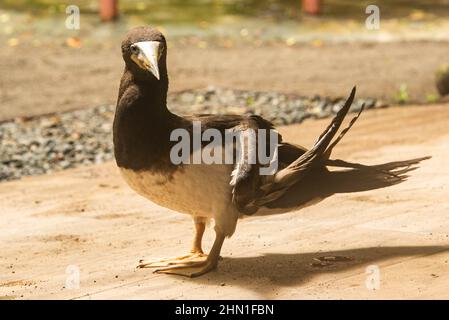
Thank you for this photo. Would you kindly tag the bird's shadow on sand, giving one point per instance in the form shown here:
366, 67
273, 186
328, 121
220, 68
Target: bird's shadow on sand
322, 184
284, 270
267, 273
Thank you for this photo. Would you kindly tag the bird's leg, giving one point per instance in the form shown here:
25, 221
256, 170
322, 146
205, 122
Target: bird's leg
200, 226
195, 254
198, 268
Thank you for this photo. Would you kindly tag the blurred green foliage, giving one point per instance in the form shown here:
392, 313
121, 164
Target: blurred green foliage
432, 97
402, 96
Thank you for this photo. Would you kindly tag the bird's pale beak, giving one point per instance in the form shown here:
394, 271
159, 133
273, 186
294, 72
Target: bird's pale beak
147, 56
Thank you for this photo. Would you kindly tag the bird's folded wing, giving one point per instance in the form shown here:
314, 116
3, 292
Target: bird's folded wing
246, 178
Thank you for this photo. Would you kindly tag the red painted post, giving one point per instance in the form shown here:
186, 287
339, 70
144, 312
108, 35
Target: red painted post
311, 6
108, 10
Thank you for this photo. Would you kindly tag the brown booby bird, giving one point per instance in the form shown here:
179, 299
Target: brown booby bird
224, 192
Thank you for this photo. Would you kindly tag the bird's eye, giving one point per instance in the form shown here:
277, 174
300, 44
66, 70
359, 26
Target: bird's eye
134, 49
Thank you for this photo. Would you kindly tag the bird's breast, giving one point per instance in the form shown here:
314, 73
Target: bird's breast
196, 189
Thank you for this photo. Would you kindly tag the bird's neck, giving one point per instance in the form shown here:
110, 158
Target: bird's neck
142, 123
155, 92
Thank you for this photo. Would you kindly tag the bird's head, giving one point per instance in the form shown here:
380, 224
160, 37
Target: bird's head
144, 51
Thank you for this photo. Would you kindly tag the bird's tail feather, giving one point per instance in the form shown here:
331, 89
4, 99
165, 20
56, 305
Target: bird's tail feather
321, 150
318, 155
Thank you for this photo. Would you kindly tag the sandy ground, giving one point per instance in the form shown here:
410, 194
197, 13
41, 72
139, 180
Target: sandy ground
89, 219
49, 78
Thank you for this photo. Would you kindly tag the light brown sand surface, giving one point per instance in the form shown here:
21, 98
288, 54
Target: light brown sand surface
89, 219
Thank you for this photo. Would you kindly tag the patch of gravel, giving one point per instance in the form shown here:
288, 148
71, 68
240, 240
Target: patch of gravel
51, 143
281, 109
67, 140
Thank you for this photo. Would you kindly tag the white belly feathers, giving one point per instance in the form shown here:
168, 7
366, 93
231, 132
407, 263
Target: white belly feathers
197, 189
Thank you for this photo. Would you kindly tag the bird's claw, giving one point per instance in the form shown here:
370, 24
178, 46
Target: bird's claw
191, 257
189, 269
